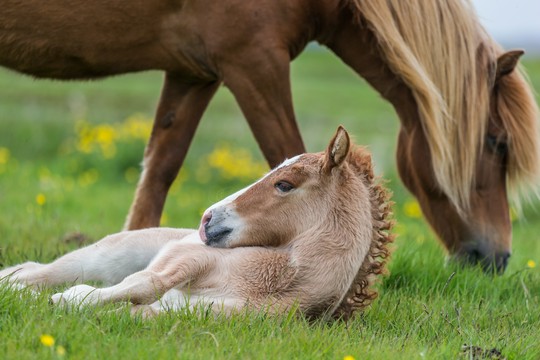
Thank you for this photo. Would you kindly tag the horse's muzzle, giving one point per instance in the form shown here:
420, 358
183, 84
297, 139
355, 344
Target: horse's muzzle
494, 263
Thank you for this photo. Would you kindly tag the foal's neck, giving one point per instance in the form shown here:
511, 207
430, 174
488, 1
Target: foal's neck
328, 256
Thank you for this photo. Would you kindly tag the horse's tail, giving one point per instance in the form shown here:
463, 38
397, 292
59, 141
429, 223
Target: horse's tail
432, 46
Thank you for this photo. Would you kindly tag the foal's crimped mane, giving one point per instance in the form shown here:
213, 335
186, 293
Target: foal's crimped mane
441, 52
361, 292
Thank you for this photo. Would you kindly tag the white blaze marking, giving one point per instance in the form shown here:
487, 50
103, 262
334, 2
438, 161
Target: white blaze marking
287, 162
229, 199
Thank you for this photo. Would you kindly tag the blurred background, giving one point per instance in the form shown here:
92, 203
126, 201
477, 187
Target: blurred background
513, 23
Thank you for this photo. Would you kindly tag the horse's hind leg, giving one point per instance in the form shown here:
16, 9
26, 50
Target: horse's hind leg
109, 260
260, 82
180, 109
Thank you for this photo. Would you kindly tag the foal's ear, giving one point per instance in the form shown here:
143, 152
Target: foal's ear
337, 150
507, 62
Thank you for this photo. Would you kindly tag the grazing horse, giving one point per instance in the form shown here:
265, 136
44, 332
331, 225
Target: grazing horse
468, 119
312, 233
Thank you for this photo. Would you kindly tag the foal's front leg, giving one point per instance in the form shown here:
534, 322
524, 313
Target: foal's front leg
176, 265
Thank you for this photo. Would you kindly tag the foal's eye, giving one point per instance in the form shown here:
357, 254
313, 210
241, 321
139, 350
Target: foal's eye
283, 186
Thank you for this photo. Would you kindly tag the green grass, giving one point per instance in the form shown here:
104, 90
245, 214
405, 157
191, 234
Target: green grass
426, 308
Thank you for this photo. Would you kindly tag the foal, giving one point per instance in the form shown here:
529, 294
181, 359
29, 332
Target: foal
312, 233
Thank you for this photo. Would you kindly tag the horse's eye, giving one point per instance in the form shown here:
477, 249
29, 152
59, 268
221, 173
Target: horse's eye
283, 186
496, 145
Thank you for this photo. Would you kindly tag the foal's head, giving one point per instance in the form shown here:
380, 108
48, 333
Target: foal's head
302, 194
478, 228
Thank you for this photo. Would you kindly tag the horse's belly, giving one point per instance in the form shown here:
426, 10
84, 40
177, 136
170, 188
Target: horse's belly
81, 39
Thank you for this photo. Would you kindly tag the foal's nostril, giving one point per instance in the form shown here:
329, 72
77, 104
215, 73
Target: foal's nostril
206, 218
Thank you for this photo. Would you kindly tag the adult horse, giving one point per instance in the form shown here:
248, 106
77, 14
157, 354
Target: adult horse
468, 120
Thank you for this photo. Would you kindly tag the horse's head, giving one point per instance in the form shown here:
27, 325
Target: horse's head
480, 231
297, 196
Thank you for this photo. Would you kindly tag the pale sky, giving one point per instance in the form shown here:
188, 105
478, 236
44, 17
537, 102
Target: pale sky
511, 21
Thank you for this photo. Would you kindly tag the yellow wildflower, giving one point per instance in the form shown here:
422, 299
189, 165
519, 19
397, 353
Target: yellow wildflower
412, 209
164, 219
60, 350
137, 127
108, 150
104, 134
514, 215
4, 155
348, 357
203, 174
131, 174
44, 174
47, 340
89, 177
41, 199
235, 163
531, 264
85, 137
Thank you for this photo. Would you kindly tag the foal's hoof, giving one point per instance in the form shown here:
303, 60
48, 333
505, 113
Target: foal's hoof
75, 296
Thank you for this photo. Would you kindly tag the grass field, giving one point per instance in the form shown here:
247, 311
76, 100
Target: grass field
69, 155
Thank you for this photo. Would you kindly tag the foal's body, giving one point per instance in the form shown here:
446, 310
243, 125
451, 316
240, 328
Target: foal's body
312, 233
172, 265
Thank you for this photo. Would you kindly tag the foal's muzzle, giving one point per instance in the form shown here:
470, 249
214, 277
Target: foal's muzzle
212, 230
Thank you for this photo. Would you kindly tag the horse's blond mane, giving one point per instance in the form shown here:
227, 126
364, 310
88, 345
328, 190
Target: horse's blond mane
441, 52
518, 109
361, 292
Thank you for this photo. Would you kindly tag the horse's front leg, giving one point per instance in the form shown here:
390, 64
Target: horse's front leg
259, 80
176, 265
180, 109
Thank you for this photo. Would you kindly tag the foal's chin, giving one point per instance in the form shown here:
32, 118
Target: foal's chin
219, 240
216, 237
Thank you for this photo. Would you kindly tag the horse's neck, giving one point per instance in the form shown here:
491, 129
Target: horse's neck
356, 46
